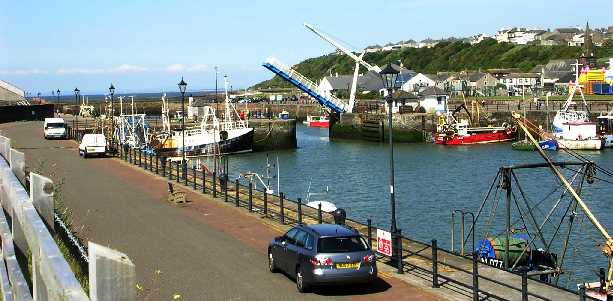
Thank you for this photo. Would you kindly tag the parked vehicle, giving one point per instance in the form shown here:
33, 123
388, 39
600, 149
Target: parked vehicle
92, 144
54, 128
322, 254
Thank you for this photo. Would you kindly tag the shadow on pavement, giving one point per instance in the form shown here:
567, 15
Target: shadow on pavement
377, 286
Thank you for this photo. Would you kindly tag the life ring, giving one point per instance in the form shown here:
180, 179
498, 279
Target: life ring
505, 125
223, 135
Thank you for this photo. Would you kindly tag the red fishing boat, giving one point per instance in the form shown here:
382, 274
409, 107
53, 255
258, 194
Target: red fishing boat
317, 121
449, 131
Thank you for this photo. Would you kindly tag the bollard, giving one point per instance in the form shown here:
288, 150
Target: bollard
434, 264
194, 176
203, 180
214, 184
237, 196
250, 196
475, 278
319, 216
582, 292
281, 210
265, 203
299, 210
524, 286
399, 253
369, 224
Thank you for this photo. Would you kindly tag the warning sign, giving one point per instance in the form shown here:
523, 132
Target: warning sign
384, 242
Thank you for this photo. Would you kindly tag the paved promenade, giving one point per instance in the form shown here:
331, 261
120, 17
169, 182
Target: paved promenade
206, 250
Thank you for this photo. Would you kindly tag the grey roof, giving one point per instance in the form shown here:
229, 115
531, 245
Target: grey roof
371, 81
341, 82
432, 90
476, 76
568, 30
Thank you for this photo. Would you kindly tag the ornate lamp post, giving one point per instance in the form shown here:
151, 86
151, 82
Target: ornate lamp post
112, 92
182, 87
77, 92
389, 76
57, 93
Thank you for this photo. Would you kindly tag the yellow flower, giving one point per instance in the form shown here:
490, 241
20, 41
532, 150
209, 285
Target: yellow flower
176, 297
138, 287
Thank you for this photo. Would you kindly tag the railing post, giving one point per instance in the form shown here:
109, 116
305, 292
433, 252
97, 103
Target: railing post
194, 176
369, 224
250, 196
214, 184
582, 292
169, 163
129, 155
157, 169
524, 286
150, 161
185, 171
434, 264
319, 216
475, 278
140, 158
299, 210
178, 173
237, 195
225, 188
281, 210
400, 264
265, 203
203, 180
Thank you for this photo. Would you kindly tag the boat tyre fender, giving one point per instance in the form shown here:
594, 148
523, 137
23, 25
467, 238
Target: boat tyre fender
505, 125
223, 135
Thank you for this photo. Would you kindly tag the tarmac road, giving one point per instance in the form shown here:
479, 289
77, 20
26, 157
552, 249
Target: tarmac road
203, 251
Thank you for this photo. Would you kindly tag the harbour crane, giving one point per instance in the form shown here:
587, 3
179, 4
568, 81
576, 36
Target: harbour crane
359, 60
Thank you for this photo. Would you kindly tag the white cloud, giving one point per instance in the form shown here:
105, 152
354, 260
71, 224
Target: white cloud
198, 68
175, 68
125, 68
34, 71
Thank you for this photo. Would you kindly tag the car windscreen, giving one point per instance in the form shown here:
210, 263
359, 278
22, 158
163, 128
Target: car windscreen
55, 125
341, 244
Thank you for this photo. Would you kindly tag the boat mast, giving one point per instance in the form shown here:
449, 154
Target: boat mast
608, 245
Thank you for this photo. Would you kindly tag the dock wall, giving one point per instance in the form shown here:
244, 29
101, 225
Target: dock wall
273, 134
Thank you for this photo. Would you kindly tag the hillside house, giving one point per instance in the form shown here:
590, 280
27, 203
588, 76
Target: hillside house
521, 83
418, 81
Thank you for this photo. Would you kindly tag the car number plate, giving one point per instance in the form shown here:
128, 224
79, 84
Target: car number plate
354, 265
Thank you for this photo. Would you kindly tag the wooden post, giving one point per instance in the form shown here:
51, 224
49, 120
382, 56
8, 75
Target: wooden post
265, 203
524, 286
319, 215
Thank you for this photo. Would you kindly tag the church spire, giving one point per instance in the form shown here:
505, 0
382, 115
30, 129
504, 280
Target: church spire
589, 54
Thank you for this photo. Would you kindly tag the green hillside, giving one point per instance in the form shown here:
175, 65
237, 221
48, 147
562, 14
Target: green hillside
445, 56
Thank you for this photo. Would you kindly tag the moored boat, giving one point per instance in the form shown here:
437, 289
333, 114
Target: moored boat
450, 131
317, 121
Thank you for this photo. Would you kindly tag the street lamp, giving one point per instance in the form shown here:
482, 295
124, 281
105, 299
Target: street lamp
77, 92
112, 92
182, 87
57, 93
389, 75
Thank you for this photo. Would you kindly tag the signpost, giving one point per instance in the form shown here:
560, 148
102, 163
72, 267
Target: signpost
384, 242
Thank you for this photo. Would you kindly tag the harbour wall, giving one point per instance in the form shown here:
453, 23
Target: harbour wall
273, 134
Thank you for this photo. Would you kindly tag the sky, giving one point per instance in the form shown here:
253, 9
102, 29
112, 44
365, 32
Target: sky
148, 45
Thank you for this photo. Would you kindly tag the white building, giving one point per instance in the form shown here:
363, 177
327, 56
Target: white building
521, 83
416, 82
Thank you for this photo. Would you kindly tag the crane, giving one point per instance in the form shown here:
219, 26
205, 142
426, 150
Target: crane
359, 60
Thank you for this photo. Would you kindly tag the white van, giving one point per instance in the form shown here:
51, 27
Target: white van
92, 144
55, 128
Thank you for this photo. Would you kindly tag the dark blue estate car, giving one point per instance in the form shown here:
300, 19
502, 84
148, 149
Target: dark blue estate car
322, 254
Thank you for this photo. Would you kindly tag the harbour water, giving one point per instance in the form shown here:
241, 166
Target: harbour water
431, 180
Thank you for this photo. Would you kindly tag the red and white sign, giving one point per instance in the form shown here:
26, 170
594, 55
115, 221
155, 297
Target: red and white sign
384, 242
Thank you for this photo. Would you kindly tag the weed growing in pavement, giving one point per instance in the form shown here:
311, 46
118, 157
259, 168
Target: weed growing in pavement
152, 290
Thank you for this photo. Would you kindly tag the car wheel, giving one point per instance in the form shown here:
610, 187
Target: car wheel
301, 284
272, 265
84, 154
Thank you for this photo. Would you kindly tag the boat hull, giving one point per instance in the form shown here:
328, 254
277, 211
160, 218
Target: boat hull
475, 138
591, 144
239, 144
318, 124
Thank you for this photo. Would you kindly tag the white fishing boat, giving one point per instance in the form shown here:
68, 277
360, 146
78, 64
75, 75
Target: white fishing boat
572, 126
212, 136
605, 128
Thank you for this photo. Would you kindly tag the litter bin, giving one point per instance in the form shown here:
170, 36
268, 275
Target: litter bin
339, 216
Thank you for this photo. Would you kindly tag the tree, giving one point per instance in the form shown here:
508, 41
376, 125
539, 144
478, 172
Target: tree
608, 44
